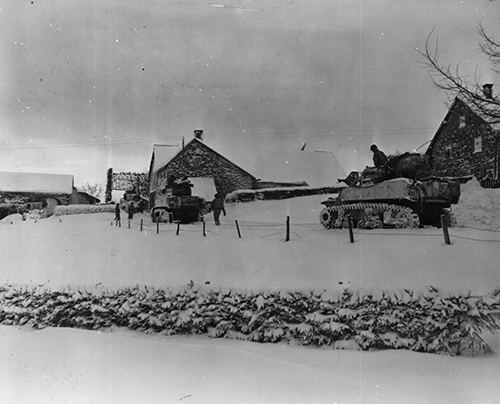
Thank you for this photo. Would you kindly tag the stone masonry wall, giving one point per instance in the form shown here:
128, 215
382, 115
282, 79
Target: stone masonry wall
197, 160
463, 160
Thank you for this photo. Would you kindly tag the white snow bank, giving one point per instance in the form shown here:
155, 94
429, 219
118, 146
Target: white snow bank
30, 216
13, 218
478, 207
82, 209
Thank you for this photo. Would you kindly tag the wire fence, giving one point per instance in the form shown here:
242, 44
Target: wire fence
254, 229
248, 229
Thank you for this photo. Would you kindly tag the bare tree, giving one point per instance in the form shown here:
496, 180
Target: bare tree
454, 82
92, 189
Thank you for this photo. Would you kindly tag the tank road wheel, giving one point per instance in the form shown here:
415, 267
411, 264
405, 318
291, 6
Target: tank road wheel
327, 217
406, 219
374, 223
370, 219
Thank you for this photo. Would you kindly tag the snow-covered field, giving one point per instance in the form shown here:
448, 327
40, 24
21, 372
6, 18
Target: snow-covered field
66, 365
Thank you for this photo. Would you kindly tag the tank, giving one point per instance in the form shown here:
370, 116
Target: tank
177, 204
402, 195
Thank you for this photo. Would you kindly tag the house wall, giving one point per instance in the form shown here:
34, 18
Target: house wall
462, 160
196, 160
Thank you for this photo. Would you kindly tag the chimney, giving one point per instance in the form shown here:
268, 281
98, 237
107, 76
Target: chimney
198, 134
488, 90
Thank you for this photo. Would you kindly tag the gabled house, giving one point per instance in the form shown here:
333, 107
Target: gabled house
195, 159
466, 144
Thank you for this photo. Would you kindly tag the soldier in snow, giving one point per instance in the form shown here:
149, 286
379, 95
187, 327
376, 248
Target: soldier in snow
218, 206
131, 210
117, 214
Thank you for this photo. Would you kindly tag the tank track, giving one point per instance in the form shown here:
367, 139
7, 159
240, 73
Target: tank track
367, 215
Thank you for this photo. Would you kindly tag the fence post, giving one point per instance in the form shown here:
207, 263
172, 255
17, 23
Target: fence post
238, 228
204, 232
287, 236
444, 225
178, 228
141, 223
351, 234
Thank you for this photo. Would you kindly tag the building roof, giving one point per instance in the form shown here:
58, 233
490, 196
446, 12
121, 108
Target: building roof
316, 168
480, 113
36, 183
164, 154
88, 196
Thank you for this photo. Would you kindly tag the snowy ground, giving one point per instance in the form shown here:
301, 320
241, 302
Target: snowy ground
61, 365
75, 366
88, 250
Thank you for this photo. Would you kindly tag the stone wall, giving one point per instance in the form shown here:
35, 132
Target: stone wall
197, 160
461, 159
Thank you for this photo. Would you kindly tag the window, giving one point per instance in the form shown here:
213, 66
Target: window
447, 151
461, 121
478, 144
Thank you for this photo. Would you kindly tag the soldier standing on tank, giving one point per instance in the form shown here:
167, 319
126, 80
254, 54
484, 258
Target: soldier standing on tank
379, 158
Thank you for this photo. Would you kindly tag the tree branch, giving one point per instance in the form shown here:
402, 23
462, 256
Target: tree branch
451, 79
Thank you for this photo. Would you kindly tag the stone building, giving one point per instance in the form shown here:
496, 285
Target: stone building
195, 159
466, 144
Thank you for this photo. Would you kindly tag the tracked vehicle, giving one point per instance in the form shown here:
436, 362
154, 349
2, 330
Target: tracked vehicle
177, 204
402, 195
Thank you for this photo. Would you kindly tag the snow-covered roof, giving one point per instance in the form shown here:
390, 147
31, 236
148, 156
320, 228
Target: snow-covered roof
481, 112
163, 153
36, 182
316, 168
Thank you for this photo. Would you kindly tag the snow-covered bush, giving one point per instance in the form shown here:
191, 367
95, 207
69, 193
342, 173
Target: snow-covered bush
428, 322
82, 209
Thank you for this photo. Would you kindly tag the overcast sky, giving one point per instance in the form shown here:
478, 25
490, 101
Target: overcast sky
88, 85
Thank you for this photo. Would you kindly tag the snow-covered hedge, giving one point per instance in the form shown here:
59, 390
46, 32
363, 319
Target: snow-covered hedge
247, 195
62, 210
428, 322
